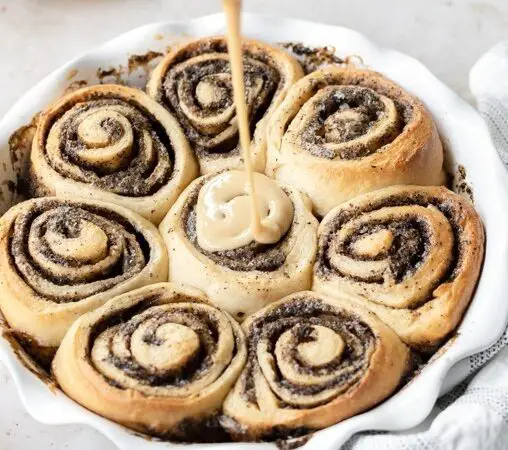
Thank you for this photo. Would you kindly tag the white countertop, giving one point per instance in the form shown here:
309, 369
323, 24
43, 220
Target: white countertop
37, 36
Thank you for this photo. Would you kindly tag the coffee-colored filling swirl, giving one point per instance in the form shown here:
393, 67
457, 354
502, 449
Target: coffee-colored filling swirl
308, 351
409, 254
113, 144
66, 251
159, 359
171, 349
401, 246
312, 361
197, 88
341, 132
253, 256
346, 122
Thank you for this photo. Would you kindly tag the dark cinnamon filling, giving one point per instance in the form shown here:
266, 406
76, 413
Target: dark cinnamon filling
197, 365
200, 429
141, 173
408, 250
37, 359
299, 316
65, 221
129, 320
279, 434
346, 114
312, 58
180, 86
411, 242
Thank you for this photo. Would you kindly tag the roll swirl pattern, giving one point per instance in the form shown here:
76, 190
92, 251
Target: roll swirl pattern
60, 258
194, 83
246, 277
313, 361
112, 143
159, 359
410, 254
341, 132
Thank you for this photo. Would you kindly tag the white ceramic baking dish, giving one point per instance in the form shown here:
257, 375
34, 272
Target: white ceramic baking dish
464, 135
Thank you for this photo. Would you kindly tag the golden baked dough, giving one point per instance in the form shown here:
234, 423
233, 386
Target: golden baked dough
159, 360
244, 279
411, 254
112, 143
60, 258
341, 132
193, 82
313, 361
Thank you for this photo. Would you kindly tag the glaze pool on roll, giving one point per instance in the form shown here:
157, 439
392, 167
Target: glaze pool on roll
240, 280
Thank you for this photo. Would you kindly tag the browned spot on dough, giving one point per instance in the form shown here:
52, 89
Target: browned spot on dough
142, 61
312, 58
460, 185
113, 74
24, 358
291, 444
75, 85
72, 74
20, 144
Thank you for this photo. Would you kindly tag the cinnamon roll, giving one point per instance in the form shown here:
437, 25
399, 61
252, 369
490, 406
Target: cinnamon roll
60, 258
194, 83
341, 132
159, 360
112, 143
210, 243
313, 361
410, 254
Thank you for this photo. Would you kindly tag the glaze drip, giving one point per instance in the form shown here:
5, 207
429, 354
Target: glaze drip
198, 90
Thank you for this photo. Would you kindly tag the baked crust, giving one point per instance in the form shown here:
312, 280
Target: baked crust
422, 281
159, 359
341, 132
193, 81
60, 258
112, 143
334, 359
